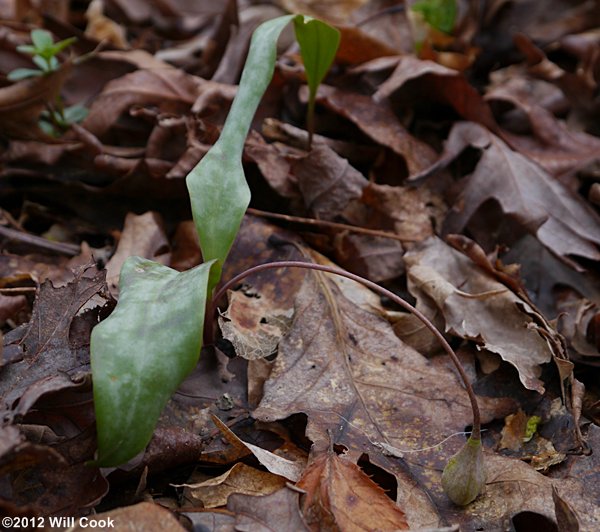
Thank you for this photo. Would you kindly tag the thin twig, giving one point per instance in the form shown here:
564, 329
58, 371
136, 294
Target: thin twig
476, 433
333, 225
71, 250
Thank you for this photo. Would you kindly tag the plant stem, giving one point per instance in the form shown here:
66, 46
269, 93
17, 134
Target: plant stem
476, 433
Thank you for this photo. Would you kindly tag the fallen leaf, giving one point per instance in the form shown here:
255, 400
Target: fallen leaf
137, 518
562, 221
479, 308
253, 324
22, 103
340, 496
327, 182
345, 368
241, 478
439, 83
275, 464
143, 235
48, 362
377, 120
278, 511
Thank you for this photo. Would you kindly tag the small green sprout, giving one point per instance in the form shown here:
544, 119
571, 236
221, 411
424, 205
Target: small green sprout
43, 53
439, 14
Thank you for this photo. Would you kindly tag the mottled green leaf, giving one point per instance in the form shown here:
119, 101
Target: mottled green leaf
143, 351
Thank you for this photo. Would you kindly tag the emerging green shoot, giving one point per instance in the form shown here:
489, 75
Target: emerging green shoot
439, 14
318, 45
43, 53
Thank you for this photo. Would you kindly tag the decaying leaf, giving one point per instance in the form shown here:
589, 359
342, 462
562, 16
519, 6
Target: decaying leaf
254, 324
479, 308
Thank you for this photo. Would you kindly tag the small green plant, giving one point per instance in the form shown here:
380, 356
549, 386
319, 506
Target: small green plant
56, 118
43, 52
439, 14
142, 352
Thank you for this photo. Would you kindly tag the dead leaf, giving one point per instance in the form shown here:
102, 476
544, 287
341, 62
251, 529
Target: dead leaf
345, 368
562, 221
332, 11
339, 496
254, 324
22, 103
275, 464
102, 28
436, 82
479, 308
48, 362
143, 235
378, 121
328, 183
241, 478
141, 517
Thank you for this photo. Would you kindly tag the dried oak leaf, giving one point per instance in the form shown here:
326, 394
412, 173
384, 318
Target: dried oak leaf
327, 182
477, 307
214, 492
345, 368
340, 496
49, 361
378, 121
561, 220
432, 81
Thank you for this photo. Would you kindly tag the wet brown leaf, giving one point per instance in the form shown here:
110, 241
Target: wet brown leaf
340, 496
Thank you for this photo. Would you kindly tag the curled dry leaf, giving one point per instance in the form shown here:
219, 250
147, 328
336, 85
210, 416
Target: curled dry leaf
477, 307
378, 121
561, 220
215, 491
340, 496
439, 83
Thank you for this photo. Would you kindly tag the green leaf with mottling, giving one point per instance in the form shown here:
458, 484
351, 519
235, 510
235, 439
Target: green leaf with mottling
142, 352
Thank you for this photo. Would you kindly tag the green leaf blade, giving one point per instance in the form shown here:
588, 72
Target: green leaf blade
318, 45
142, 352
42, 40
217, 185
440, 14
24, 73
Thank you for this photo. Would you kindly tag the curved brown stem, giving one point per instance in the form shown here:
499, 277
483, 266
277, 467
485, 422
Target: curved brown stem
476, 434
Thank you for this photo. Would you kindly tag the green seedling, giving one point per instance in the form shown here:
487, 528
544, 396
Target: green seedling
318, 45
142, 352
43, 52
439, 14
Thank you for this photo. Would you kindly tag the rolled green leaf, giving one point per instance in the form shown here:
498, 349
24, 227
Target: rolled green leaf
142, 352
217, 185
318, 45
